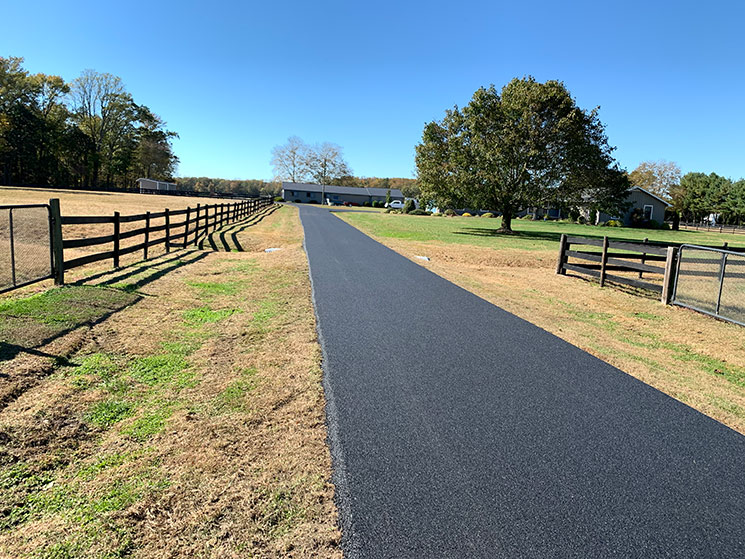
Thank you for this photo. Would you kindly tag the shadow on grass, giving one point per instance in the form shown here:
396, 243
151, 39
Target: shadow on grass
32, 322
226, 239
528, 235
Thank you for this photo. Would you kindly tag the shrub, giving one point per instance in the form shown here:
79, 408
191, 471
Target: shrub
419, 212
613, 223
409, 206
298, 201
653, 224
279, 199
488, 214
366, 204
466, 214
581, 220
313, 202
449, 212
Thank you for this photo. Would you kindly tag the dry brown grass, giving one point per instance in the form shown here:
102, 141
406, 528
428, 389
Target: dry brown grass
696, 359
189, 424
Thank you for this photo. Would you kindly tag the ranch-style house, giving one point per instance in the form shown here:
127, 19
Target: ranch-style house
333, 195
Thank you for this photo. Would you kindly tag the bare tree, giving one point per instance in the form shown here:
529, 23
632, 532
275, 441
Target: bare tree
326, 163
290, 160
658, 177
97, 99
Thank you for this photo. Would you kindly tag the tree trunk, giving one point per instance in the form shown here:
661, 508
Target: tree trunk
506, 220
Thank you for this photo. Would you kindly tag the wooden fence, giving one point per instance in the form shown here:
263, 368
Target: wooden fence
620, 256
194, 224
731, 229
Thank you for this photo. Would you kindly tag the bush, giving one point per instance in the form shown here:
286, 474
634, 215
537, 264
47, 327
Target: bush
488, 214
298, 201
419, 212
653, 224
409, 206
366, 204
581, 220
313, 202
377, 204
438, 214
449, 212
279, 199
466, 214
613, 223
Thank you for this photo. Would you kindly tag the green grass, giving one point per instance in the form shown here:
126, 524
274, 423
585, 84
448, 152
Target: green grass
151, 422
108, 412
528, 235
157, 369
205, 315
233, 397
214, 289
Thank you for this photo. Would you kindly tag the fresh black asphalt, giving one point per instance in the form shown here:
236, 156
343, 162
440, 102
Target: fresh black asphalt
460, 430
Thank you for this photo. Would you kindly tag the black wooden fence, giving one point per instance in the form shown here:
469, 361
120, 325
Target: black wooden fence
180, 228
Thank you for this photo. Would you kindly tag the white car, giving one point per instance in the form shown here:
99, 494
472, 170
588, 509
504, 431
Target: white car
396, 205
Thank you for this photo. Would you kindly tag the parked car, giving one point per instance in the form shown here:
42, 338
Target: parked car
351, 204
395, 204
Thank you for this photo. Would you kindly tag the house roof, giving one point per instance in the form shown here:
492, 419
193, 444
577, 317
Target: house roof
332, 189
650, 194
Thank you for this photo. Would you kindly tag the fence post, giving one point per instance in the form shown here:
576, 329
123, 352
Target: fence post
196, 226
603, 261
722, 269
669, 279
563, 245
117, 228
168, 231
186, 226
644, 254
58, 259
147, 235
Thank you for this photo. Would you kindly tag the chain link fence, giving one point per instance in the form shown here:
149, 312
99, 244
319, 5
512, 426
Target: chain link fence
25, 245
711, 281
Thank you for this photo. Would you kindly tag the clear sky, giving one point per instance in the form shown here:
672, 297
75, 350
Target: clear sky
236, 78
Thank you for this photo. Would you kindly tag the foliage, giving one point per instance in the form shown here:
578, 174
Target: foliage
449, 212
466, 214
88, 133
488, 214
658, 177
409, 206
698, 195
419, 212
526, 145
279, 199
613, 223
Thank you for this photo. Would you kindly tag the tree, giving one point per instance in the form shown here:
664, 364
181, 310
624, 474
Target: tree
290, 161
326, 164
526, 145
657, 177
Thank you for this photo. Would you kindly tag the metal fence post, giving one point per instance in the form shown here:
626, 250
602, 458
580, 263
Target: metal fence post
59, 261
722, 269
669, 277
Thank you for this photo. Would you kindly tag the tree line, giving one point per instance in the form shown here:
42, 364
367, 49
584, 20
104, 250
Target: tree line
87, 133
694, 196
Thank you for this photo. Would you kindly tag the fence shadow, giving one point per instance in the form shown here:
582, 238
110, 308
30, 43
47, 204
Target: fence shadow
226, 239
87, 311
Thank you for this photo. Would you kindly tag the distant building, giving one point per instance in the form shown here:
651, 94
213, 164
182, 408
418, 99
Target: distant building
333, 195
148, 186
647, 205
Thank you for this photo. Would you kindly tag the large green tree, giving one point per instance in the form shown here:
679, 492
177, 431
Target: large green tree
528, 144
658, 177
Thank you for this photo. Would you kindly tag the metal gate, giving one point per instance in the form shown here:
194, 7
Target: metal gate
711, 281
26, 254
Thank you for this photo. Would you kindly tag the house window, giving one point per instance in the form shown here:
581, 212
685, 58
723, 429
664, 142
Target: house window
307, 194
648, 212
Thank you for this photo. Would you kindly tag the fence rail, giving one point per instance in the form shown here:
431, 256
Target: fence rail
636, 258
33, 243
196, 224
702, 226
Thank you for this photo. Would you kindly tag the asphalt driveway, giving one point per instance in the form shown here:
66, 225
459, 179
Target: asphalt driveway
460, 430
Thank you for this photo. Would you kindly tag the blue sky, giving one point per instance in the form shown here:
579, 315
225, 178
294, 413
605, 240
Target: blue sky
235, 79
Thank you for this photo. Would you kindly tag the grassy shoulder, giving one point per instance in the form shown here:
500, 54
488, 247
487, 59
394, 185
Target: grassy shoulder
172, 408
694, 358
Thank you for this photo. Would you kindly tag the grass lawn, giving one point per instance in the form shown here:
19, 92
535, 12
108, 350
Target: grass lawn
694, 358
172, 408
529, 235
